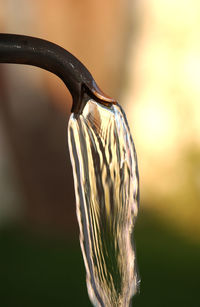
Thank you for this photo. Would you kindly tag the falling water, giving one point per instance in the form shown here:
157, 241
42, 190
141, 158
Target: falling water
106, 185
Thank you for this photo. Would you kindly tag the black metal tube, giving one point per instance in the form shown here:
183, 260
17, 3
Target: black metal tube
20, 49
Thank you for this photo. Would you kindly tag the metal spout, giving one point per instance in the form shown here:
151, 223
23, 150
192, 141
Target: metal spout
20, 49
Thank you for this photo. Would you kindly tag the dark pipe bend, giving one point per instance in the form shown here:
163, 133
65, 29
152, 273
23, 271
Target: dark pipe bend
20, 49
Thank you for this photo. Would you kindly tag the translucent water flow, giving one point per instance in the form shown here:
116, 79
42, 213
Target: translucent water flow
106, 186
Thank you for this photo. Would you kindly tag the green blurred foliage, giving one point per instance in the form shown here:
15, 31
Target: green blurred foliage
40, 271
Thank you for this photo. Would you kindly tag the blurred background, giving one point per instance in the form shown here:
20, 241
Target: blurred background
146, 54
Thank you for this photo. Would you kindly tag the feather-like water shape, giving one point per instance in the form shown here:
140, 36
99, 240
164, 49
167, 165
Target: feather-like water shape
106, 184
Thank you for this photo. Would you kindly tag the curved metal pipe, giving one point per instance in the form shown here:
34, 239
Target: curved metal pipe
20, 49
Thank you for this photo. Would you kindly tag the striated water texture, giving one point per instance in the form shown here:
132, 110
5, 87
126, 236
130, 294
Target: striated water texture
106, 186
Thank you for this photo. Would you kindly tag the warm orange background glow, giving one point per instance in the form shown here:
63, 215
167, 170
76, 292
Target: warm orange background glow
147, 55
163, 106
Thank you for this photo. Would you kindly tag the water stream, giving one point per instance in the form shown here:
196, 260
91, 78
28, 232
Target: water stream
106, 186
